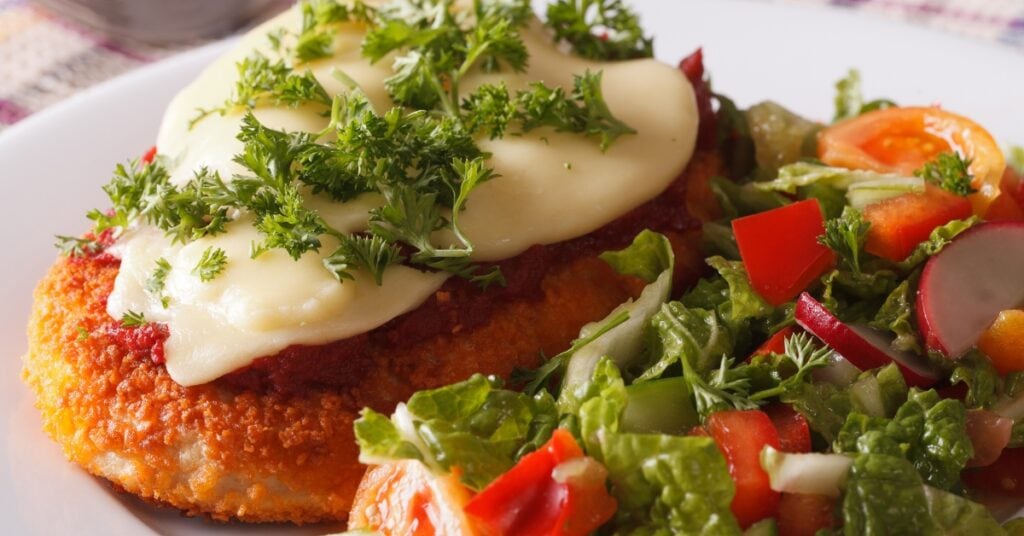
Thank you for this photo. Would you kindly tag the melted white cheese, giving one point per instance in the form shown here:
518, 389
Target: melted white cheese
552, 187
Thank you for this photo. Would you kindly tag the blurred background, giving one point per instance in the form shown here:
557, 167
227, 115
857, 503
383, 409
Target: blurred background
51, 49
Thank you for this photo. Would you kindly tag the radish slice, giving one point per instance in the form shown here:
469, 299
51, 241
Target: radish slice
860, 345
989, 433
965, 286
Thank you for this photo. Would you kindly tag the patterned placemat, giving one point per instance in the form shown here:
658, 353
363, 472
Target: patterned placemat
45, 58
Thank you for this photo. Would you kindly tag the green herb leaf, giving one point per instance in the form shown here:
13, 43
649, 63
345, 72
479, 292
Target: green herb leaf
73, 246
846, 235
949, 171
599, 29
211, 264
132, 319
157, 280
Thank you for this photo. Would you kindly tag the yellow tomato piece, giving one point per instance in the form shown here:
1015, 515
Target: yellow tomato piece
902, 140
1003, 341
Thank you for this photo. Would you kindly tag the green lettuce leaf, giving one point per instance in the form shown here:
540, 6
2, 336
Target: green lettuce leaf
647, 257
849, 101
744, 302
743, 199
669, 485
940, 237
696, 335
957, 516
664, 484
800, 174
897, 316
981, 378
884, 495
824, 405
929, 431
473, 424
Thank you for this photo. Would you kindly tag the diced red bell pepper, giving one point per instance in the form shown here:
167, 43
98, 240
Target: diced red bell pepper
794, 431
900, 223
1009, 206
528, 499
780, 249
776, 344
149, 155
741, 435
1005, 475
802, 514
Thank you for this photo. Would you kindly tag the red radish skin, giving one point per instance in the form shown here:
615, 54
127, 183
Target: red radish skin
965, 286
864, 347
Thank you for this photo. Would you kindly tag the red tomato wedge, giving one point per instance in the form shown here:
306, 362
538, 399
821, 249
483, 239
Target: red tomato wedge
901, 140
741, 435
899, 224
554, 491
794, 431
802, 514
780, 249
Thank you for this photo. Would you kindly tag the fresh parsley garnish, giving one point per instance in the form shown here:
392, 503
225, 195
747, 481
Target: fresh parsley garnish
729, 386
132, 319
846, 235
599, 29
420, 156
158, 279
210, 264
949, 171
73, 246
83, 334
262, 81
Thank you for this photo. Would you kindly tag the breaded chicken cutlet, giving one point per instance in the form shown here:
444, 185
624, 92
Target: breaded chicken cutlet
271, 438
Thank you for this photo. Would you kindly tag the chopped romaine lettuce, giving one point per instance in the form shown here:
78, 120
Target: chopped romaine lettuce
799, 174
744, 302
929, 431
697, 335
957, 516
940, 237
981, 378
885, 495
849, 100
896, 316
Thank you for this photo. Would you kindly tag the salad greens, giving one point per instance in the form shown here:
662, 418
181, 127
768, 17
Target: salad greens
639, 388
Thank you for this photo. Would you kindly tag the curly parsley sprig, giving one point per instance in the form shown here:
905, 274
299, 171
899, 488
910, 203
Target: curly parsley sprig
949, 171
420, 156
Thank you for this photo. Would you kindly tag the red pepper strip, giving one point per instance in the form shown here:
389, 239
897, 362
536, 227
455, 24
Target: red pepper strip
529, 500
741, 435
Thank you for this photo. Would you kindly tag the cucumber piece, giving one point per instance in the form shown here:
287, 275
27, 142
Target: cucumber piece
765, 527
862, 194
823, 474
659, 407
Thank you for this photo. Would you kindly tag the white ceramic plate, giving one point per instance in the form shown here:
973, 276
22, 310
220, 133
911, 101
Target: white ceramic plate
53, 164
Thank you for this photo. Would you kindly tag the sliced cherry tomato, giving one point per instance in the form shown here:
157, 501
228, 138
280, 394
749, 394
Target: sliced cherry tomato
1005, 475
900, 223
776, 344
902, 140
149, 155
794, 432
406, 498
741, 435
554, 490
780, 249
802, 514
989, 433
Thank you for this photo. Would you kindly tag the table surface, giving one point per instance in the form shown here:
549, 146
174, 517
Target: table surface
45, 58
